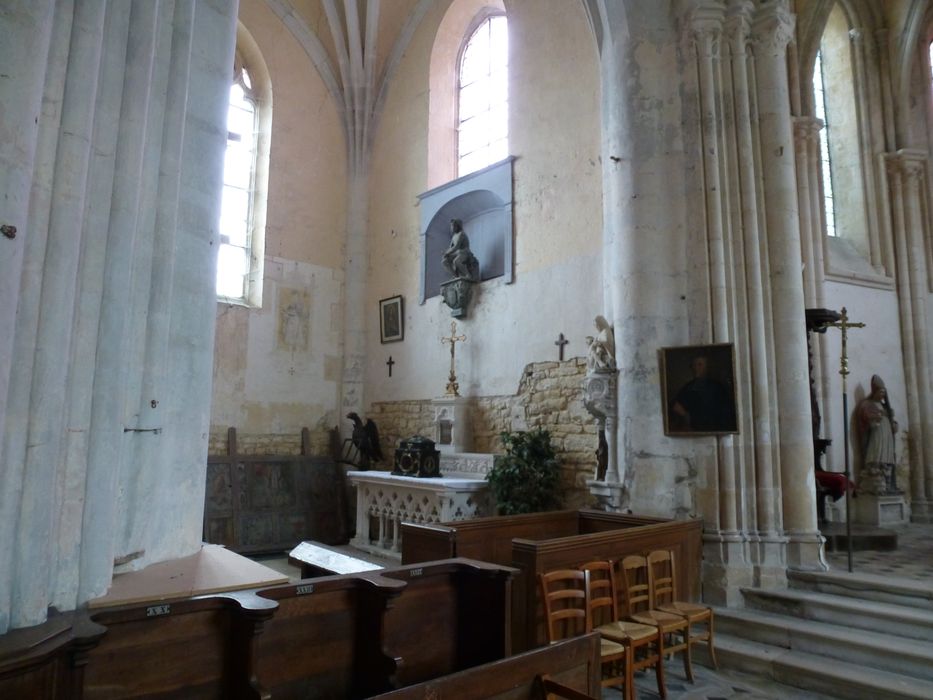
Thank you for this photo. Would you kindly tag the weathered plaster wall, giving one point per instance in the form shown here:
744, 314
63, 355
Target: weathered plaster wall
554, 134
277, 368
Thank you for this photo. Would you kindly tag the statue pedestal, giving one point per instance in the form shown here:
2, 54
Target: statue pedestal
453, 429
888, 510
457, 294
608, 495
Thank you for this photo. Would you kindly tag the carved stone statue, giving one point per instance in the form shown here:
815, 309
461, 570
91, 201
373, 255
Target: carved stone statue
601, 356
458, 259
877, 427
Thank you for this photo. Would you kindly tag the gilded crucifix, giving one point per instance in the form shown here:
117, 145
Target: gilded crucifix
453, 388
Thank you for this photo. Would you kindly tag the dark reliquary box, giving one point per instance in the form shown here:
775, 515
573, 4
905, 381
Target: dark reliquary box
417, 456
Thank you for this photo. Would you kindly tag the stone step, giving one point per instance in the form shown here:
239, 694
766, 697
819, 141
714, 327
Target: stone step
914, 623
838, 679
886, 652
884, 589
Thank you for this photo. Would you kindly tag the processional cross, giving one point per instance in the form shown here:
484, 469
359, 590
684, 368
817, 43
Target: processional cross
844, 325
453, 388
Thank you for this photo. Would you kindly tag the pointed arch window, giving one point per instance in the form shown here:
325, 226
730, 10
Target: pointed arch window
483, 96
819, 95
242, 217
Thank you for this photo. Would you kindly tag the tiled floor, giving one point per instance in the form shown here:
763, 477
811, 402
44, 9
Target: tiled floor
913, 560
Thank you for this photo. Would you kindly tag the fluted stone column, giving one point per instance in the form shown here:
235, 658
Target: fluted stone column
906, 176
131, 132
773, 29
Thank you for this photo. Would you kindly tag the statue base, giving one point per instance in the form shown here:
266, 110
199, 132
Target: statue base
610, 496
888, 510
457, 294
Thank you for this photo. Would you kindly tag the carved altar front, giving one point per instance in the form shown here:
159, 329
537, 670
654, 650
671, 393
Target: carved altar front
384, 501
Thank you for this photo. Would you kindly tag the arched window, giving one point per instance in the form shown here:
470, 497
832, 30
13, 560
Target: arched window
483, 96
819, 96
242, 218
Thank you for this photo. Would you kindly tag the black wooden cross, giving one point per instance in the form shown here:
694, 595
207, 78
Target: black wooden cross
390, 363
560, 343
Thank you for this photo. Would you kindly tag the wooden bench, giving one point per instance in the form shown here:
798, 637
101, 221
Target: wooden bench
451, 615
573, 663
194, 648
541, 542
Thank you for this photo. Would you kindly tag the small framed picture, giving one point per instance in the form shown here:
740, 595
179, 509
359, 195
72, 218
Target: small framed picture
391, 319
698, 389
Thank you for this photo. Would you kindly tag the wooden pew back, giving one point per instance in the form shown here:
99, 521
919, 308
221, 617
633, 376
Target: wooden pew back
324, 640
194, 648
574, 663
451, 615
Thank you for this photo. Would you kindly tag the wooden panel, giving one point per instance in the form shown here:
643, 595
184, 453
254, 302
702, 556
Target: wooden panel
325, 639
532, 558
196, 648
485, 539
259, 503
46, 660
451, 615
574, 663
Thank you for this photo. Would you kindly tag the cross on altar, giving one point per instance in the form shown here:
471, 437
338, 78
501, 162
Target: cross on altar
560, 343
453, 388
390, 362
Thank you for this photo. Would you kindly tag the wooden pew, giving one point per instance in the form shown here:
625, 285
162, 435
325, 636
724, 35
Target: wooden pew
47, 661
574, 663
452, 614
192, 648
540, 542
325, 640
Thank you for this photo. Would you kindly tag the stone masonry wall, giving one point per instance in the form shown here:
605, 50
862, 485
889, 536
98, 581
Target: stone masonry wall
269, 443
550, 395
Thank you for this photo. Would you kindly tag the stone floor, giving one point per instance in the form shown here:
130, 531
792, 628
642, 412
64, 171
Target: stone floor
913, 559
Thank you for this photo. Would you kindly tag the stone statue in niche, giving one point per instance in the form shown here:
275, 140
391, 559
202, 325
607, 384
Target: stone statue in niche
460, 262
877, 428
458, 259
601, 353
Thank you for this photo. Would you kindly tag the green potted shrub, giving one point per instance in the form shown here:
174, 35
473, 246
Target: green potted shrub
526, 479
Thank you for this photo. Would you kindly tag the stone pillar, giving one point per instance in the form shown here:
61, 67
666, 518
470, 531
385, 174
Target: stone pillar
773, 29
132, 128
906, 175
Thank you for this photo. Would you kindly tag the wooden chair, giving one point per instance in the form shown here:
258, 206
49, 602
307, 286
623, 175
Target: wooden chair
566, 612
605, 618
664, 592
638, 605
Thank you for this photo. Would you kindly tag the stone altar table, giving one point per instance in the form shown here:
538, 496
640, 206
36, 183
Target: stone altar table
388, 500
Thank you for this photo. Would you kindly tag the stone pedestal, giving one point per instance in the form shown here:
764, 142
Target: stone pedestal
608, 495
457, 294
881, 511
453, 429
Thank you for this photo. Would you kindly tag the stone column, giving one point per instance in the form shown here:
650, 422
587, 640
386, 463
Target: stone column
906, 174
773, 29
87, 277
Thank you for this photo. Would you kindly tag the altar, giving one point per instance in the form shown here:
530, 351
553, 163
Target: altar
384, 500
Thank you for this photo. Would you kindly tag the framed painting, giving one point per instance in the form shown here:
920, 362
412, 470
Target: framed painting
698, 389
391, 320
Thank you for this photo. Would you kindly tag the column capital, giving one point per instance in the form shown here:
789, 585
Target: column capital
738, 25
856, 34
773, 28
907, 162
807, 129
705, 26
